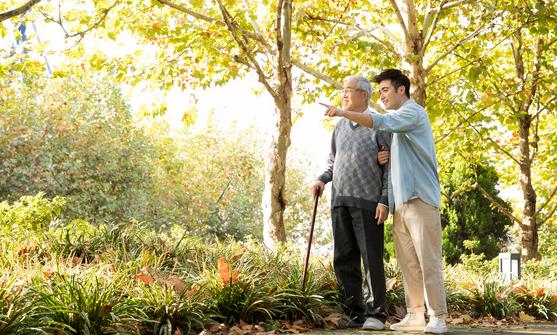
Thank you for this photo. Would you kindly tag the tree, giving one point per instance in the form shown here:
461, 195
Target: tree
466, 215
74, 138
510, 100
212, 43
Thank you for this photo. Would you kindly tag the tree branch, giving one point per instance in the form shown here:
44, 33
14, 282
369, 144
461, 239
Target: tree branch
400, 19
19, 10
234, 32
497, 145
456, 3
366, 32
549, 215
506, 100
547, 201
453, 48
466, 120
255, 36
427, 32
190, 12
495, 46
496, 203
336, 84
544, 106
97, 23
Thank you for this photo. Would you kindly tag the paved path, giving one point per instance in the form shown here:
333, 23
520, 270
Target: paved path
522, 329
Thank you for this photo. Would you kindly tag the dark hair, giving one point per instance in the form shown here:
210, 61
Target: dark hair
397, 79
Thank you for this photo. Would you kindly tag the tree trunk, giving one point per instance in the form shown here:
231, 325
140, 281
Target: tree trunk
273, 201
529, 229
414, 55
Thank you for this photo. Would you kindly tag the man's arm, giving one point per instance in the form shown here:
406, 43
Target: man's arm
362, 118
400, 121
327, 175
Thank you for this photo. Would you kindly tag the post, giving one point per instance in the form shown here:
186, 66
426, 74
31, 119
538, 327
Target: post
509, 265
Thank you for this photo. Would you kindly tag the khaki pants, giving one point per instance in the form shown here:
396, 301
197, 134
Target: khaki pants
417, 237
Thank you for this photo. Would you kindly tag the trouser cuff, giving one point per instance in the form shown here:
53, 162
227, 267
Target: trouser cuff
415, 310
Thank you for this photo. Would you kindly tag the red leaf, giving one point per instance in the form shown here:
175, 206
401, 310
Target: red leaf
147, 279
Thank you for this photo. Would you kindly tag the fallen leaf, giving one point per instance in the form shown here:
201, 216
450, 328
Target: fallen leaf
457, 321
333, 318
194, 289
76, 260
48, 273
525, 317
224, 270
391, 282
400, 312
147, 279
174, 281
235, 330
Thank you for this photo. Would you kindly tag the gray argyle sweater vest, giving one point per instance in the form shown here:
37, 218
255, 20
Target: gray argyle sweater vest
358, 179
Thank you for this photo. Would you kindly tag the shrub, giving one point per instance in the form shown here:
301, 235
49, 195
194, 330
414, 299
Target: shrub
84, 304
166, 311
538, 297
18, 311
491, 297
233, 297
30, 213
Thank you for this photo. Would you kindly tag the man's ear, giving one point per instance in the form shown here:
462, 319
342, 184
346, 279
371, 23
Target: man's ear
401, 90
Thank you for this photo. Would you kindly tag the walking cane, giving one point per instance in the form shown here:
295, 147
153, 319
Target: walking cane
309, 241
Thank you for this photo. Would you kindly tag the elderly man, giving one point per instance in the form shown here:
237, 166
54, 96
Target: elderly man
415, 198
359, 206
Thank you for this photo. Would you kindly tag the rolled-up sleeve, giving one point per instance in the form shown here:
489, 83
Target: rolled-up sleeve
401, 121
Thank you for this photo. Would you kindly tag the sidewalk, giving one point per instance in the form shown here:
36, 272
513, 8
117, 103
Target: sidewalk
520, 329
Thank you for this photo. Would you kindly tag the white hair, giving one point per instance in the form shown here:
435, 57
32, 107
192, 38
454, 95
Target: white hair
363, 84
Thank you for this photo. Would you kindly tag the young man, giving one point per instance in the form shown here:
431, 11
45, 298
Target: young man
359, 205
415, 198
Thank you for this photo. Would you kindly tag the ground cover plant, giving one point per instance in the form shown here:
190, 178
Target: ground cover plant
79, 278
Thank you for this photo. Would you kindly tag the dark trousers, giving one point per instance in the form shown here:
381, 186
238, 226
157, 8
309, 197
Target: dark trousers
357, 238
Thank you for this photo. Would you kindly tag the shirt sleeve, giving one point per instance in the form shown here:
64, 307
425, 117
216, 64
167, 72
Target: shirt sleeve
402, 120
327, 175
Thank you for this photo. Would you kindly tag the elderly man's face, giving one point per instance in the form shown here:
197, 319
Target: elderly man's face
353, 98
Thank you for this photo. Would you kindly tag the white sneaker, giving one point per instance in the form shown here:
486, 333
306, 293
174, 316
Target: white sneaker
436, 325
411, 322
373, 324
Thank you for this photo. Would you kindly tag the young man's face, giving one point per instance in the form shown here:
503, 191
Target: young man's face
392, 98
353, 99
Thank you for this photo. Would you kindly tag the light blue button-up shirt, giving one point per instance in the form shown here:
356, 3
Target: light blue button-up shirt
413, 164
